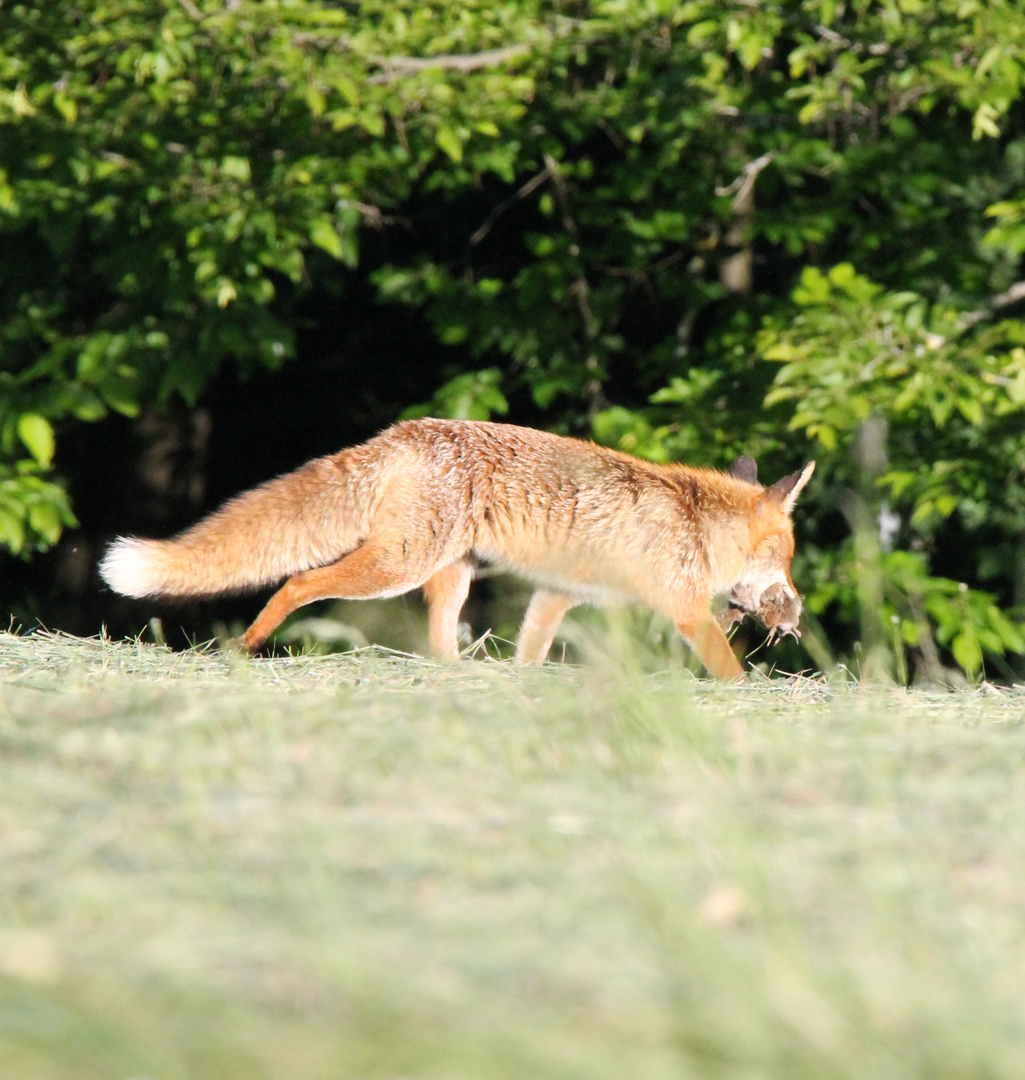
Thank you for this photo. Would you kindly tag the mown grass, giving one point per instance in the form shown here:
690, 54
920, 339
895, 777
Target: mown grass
369, 865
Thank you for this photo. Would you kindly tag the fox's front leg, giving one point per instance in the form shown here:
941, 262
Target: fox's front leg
712, 646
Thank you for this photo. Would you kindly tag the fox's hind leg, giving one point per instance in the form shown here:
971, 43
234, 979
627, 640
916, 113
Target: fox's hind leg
541, 621
445, 592
368, 573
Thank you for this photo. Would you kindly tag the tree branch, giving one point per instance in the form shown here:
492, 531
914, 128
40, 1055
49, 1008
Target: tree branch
194, 12
735, 271
527, 189
1015, 293
403, 65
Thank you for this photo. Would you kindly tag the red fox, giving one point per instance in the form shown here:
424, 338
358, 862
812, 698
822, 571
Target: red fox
420, 504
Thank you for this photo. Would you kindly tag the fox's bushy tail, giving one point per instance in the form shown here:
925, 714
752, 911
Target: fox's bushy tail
304, 519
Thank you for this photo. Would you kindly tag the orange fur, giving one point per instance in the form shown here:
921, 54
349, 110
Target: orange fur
417, 505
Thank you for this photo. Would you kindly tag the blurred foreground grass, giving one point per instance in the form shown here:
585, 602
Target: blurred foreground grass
367, 865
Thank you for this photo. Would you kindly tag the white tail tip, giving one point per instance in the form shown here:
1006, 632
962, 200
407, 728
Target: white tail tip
129, 567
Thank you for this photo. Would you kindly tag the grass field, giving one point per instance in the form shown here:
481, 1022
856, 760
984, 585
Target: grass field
373, 866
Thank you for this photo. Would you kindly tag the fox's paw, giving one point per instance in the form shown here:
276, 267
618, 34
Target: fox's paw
238, 646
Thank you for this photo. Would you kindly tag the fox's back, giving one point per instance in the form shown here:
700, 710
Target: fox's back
555, 508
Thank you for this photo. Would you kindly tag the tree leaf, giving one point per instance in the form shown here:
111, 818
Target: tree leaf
450, 142
37, 435
967, 653
324, 234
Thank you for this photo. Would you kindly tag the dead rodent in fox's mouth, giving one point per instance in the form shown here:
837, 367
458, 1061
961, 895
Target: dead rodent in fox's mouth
778, 611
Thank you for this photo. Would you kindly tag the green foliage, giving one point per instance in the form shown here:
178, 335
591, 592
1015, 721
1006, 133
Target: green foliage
929, 402
950, 388
33, 511
913, 612
691, 229
471, 396
173, 174
630, 431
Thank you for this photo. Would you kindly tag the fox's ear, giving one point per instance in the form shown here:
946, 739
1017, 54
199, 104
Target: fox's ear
784, 492
744, 468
